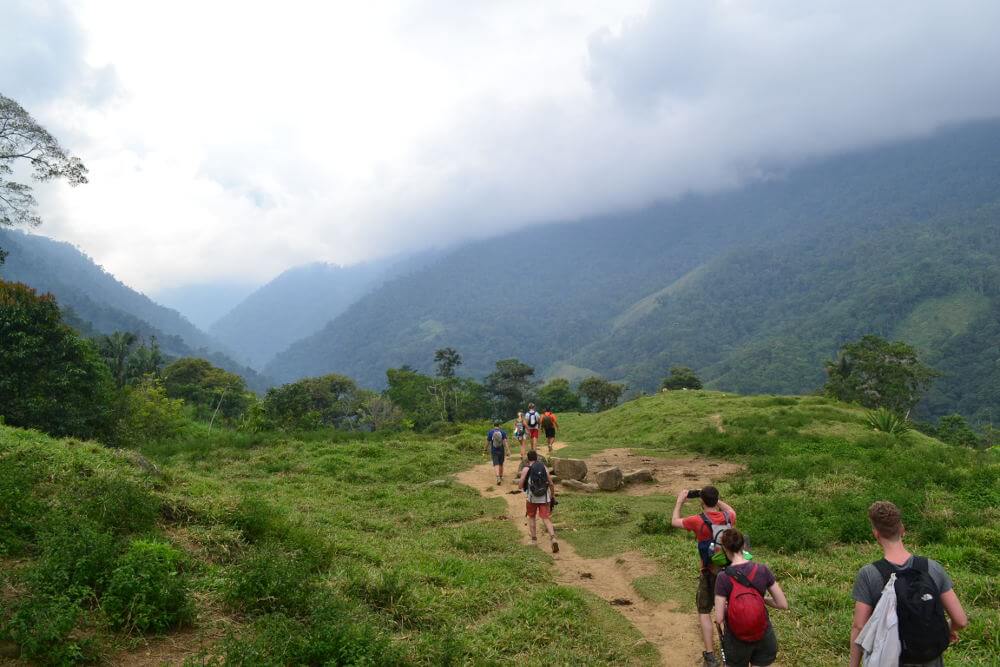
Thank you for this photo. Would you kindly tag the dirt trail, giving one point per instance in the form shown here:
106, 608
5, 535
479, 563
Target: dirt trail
675, 634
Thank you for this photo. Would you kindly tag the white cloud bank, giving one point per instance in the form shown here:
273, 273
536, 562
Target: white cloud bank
230, 140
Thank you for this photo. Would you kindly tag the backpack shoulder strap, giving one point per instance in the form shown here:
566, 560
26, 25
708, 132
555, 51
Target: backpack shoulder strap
708, 523
742, 578
885, 569
919, 564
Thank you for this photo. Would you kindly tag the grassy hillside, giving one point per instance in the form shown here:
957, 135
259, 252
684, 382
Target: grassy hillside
273, 548
812, 469
753, 288
285, 550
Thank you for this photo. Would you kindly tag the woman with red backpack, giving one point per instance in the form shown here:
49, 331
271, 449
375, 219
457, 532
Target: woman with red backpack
741, 606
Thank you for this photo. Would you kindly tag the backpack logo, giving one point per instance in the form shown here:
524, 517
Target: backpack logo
746, 614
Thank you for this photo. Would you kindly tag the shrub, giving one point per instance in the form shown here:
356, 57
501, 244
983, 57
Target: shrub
886, 421
269, 579
146, 413
654, 523
114, 502
681, 377
147, 591
41, 627
76, 558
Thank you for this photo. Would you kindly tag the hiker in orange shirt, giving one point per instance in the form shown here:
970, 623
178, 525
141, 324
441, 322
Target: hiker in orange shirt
549, 425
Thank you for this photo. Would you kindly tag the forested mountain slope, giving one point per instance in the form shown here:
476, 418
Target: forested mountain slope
753, 288
295, 304
97, 303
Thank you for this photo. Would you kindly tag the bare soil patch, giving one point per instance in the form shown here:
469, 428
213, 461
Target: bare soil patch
675, 634
670, 475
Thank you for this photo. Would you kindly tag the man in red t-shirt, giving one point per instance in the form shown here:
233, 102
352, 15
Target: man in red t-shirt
720, 514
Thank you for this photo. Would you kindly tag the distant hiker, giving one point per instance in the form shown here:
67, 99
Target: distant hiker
540, 497
741, 606
715, 517
549, 425
520, 431
922, 592
496, 444
532, 419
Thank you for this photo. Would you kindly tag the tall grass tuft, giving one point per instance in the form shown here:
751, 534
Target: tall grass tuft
887, 421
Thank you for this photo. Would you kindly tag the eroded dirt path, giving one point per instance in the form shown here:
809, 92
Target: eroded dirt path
675, 634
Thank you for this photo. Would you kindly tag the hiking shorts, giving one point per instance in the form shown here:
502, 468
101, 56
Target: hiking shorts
533, 432
497, 455
550, 433
519, 435
543, 510
741, 654
705, 598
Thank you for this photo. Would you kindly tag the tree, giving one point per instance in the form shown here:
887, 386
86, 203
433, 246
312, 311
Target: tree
331, 400
447, 360
128, 358
50, 378
207, 388
509, 386
557, 396
878, 374
681, 377
22, 139
600, 394
419, 397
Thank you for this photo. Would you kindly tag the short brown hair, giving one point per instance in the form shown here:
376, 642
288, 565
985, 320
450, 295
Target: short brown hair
731, 540
886, 519
709, 496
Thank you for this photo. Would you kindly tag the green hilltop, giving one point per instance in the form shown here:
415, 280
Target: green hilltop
346, 547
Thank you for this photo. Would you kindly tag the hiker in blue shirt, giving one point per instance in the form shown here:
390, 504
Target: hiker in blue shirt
496, 444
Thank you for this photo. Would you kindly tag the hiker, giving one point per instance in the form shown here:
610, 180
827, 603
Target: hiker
741, 606
922, 634
540, 498
532, 419
496, 443
715, 517
549, 425
520, 431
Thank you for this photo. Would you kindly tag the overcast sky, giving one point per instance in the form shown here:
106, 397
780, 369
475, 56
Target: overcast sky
228, 141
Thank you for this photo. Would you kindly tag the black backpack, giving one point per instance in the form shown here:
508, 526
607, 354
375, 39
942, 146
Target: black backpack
923, 631
538, 480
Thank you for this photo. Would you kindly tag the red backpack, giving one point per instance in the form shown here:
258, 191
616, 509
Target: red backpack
746, 615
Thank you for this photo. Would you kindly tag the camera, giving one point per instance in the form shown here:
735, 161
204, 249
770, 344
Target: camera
694, 493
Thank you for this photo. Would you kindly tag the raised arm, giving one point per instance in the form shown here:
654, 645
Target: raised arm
675, 520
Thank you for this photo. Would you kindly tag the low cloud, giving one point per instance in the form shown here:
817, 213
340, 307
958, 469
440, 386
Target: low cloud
284, 134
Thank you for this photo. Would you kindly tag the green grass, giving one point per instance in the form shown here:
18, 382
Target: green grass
288, 535
359, 548
813, 467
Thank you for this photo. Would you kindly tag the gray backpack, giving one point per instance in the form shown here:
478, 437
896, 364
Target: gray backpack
496, 440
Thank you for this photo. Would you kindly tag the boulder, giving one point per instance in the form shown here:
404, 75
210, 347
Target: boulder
570, 468
640, 475
579, 486
610, 479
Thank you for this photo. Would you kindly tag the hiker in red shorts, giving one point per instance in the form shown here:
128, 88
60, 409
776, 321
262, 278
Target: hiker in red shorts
540, 496
533, 421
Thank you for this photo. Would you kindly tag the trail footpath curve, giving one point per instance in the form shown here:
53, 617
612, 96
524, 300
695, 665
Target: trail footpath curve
674, 634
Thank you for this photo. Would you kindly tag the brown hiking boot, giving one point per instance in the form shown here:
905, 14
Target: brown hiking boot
555, 547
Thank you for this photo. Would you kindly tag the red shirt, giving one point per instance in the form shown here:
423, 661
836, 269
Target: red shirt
700, 530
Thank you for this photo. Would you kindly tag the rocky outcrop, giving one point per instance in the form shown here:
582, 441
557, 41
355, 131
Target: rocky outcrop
579, 486
640, 475
610, 479
570, 468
